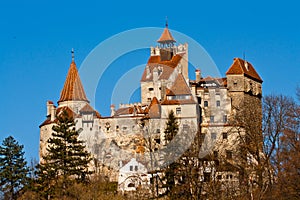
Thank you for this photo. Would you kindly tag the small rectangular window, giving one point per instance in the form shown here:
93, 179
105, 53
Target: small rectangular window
157, 140
228, 154
131, 168
225, 136
212, 119
202, 137
205, 103
206, 176
224, 118
178, 111
213, 136
136, 168
150, 89
215, 154
199, 100
218, 103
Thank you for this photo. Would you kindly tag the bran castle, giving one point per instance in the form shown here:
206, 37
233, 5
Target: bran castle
204, 105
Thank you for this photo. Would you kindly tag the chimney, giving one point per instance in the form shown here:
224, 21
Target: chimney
155, 74
198, 75
148, 74
112, 110
49, 105
52, 110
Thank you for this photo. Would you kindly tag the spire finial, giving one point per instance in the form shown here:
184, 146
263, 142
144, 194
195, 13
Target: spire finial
73, 56
167, 22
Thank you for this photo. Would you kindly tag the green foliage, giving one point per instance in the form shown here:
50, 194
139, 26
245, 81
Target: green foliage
13, 169
66, 160
171, 131
171, 127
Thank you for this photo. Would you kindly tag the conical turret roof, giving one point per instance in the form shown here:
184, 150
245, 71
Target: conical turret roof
166, 36
73, 89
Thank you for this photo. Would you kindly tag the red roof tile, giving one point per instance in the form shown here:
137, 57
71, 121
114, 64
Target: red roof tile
167, 66
179, 87
238, 67
166, 36
154, 109
129, 110
69, 111
59, 111
87, 108
73, 89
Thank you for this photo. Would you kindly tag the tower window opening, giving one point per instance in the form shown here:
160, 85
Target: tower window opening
178, 111
205, 103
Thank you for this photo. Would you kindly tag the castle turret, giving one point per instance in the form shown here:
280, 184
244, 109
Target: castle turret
73, 94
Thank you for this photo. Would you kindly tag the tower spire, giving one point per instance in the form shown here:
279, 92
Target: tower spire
73, 88
167, 22
73, 56
166, 38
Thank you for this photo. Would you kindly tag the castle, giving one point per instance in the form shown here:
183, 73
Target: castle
203, 105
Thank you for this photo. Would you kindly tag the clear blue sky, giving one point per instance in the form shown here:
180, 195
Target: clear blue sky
36, 38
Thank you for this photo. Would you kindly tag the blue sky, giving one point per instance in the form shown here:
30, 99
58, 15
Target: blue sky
36, 38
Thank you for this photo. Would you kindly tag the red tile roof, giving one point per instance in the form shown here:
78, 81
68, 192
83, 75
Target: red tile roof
167, 66
154, 109
179, 87
87, 108
129, 110
238, 67
59, 111
166, 36
73, 89
69, 111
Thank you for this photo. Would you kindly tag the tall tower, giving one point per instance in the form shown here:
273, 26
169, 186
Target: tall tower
245, 89
166, 61
72, 100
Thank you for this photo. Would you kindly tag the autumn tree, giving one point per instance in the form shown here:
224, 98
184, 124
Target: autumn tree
282, 142
66, 161
13, 169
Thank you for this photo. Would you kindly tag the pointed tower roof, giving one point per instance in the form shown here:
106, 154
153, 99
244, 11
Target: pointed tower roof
241, 66
154, 108
73, 89
166, 36
179, 87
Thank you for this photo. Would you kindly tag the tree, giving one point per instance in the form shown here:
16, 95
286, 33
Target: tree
170, 132
282, 145
13, 169
172, 127
66, 160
